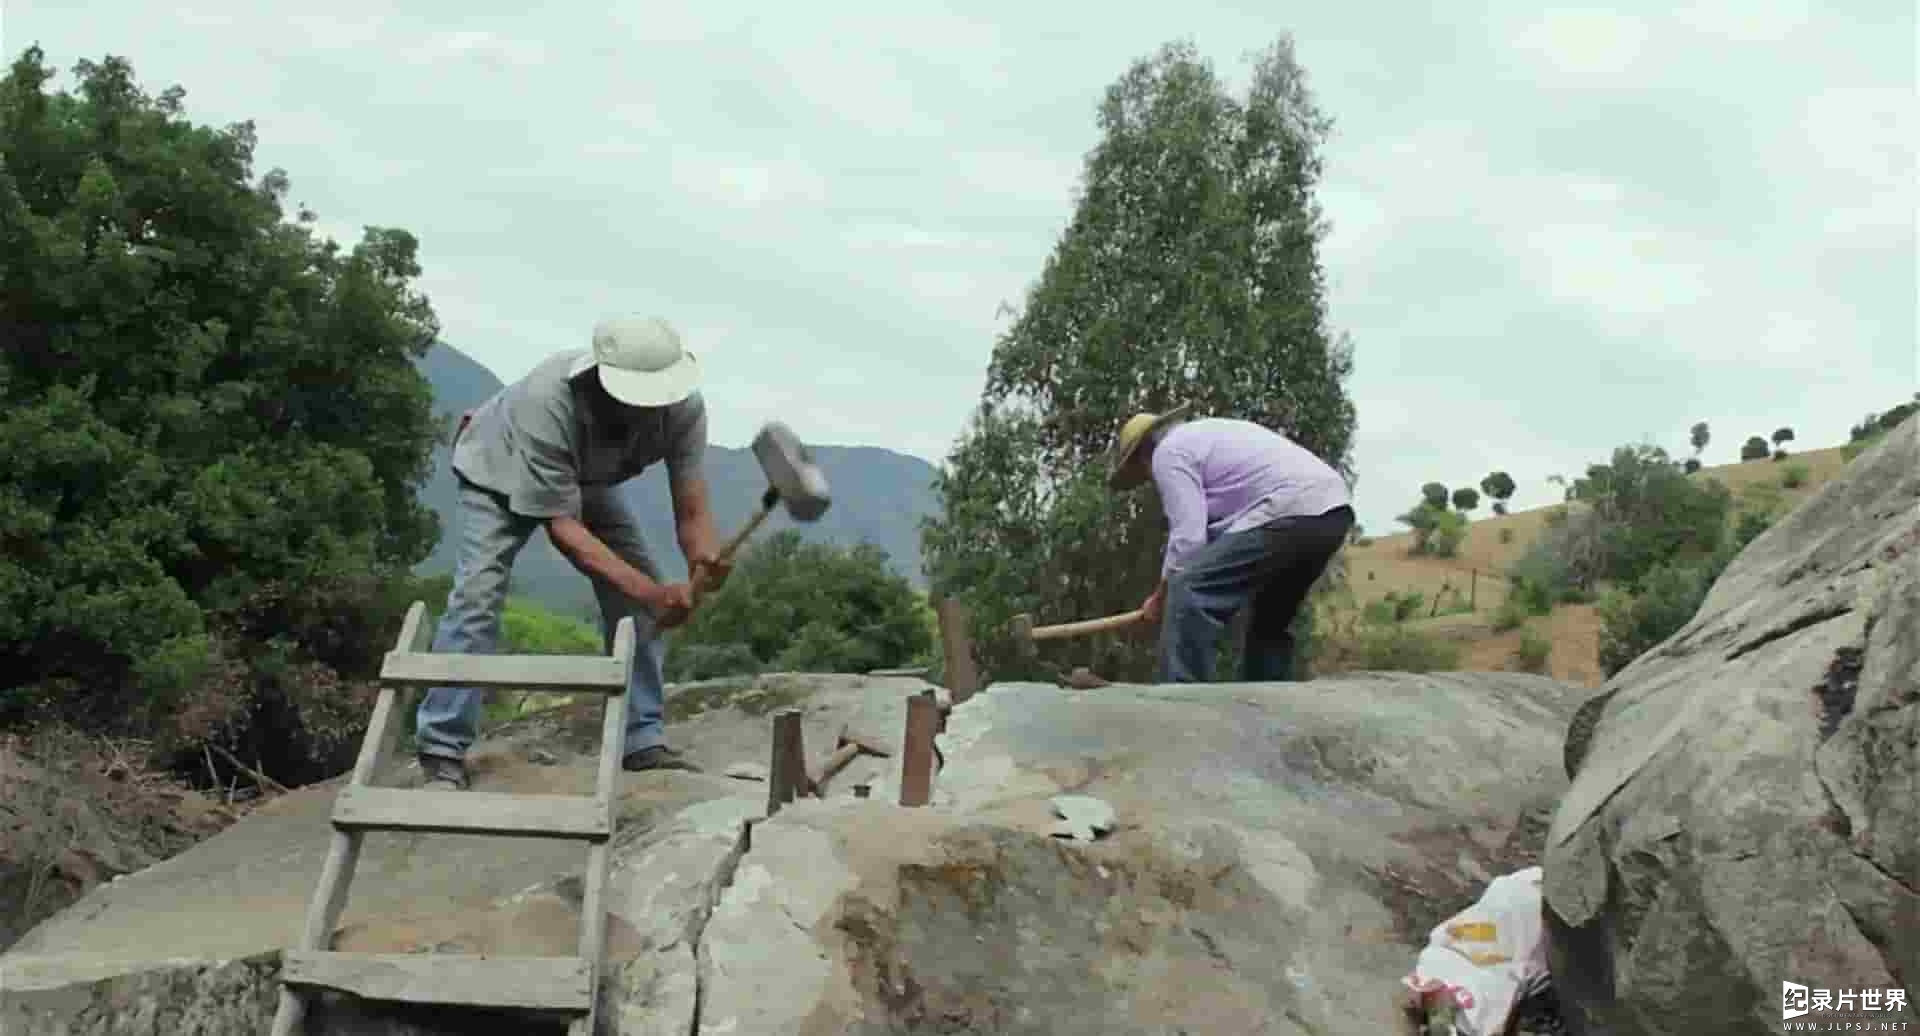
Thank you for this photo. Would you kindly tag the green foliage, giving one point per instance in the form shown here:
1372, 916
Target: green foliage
1642, 510
527, 628
1692, 465
1782, 435
1435, 495
1754, 449
1466, 498
1188, 273
1377, 638
1399, 649
1498, 485
1877, 425
1511, 614
1396, 606
1532, 654
209, 416
1448, 531
1436, 530
1794, 477
804, 607
1699, 436
1635, 619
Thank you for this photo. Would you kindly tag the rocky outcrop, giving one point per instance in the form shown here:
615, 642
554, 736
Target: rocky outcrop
1747, 811
1274, 858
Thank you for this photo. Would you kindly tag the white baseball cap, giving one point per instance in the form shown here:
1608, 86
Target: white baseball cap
641, 361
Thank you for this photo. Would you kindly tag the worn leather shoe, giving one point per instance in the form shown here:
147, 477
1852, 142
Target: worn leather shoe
658, 757
444, 773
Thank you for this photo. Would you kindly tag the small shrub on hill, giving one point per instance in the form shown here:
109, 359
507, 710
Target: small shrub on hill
1401, 650
1511, 614
1635, 619
1794, 477
1506, 535
1533, 652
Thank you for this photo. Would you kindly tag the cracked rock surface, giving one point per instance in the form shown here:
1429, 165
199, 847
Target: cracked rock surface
1277, 856
1748, 809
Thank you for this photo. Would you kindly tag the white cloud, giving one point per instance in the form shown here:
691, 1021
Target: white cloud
1576, 47
1746, 21
479, 44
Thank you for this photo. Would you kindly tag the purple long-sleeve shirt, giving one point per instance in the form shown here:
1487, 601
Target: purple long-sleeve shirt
1218, 475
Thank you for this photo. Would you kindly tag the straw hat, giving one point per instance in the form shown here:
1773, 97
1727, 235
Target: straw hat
1138, 429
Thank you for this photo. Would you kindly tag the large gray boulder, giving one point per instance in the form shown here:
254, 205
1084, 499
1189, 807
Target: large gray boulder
1274, 859
1281, 852
1748, 810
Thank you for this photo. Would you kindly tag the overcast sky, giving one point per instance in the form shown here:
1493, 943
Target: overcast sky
1554, 230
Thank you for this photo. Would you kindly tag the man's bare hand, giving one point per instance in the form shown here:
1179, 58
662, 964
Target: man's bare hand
709, 574
672, 604
1153, 608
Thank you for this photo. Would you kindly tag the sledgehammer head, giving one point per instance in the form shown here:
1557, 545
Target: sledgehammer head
1022, 628
791, 473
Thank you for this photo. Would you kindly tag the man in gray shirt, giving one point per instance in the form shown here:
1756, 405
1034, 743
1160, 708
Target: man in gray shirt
549, 452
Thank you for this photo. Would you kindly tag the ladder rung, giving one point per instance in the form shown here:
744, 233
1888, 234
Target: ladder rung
472, 812
601, 674
529, 983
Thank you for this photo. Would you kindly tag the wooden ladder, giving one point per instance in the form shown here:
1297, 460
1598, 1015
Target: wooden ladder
563, 985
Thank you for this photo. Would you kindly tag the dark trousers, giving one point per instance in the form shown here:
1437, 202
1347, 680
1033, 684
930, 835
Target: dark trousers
1269, 568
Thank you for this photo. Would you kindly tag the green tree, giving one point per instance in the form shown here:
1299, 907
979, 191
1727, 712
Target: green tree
1189, 273
1466, 498
212, 433
804, 607
1435, 494
1699, 436
1754, 449
1498, 485
1643, 511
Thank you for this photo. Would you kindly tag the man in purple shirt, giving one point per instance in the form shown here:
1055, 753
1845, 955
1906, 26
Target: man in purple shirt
1253, 518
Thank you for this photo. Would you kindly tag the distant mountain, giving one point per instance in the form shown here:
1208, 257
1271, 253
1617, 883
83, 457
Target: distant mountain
879, 496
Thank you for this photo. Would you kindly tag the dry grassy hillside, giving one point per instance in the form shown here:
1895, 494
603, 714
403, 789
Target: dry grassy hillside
1383, 566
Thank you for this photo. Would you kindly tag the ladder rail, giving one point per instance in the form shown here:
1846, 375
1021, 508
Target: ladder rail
412, 665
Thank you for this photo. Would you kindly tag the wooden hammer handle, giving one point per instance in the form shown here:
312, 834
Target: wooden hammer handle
835, 763
1076, 629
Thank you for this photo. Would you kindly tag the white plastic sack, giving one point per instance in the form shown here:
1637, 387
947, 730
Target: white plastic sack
1487, 957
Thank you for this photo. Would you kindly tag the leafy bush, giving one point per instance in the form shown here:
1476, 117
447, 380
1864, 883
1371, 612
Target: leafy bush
1533, 652
1466, 498
526, 628
1511, 614
211, 432
1691, 466
1755, 448
709, 661
1401, 650
1434, 494
1506, 535
1794, 477
1631, 623
808, 607
1447, 534
1635, 619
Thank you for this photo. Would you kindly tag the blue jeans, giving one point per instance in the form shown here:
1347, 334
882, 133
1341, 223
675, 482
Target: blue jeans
491, 536
1269, 567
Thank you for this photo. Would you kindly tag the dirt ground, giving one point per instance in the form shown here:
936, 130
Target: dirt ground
76, 812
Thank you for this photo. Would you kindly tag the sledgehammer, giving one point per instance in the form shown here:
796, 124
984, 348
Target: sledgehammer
1025, 633
792, 479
